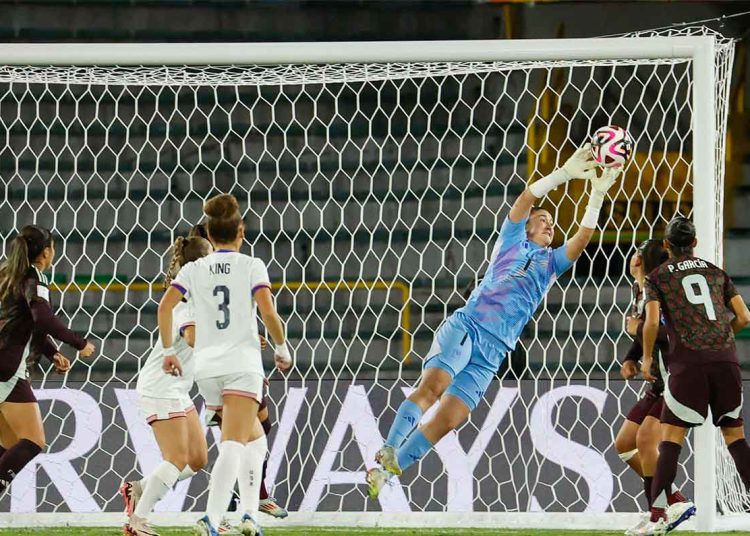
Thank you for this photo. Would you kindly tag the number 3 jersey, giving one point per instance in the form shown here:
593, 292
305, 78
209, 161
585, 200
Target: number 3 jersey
220, 287
695, 295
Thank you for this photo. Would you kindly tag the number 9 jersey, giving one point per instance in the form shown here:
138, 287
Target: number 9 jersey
221, 288
695, 296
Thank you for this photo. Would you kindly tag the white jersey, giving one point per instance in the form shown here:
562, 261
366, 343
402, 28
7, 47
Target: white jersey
221, 287
152, 380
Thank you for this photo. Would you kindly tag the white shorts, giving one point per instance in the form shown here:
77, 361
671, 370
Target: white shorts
212, 390
162, 409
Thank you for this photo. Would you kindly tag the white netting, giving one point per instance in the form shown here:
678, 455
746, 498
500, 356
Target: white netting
374, 193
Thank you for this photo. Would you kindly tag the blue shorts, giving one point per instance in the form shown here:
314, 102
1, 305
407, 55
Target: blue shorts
459, 350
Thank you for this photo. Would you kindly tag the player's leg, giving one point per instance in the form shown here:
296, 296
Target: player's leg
448, 355
734, 437
172, 437
237, 396
268, 505
22, 416
626, 445
726, 406
8, 437
197, 446
647, 442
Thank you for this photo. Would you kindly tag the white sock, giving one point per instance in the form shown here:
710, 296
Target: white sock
223, 477
186, 473
157, 485
251, 473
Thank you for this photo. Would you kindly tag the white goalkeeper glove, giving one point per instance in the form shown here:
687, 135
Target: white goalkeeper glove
599, 187
282, 357
579, 166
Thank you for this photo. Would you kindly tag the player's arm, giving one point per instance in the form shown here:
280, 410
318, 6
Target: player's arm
599, 187
274, 327
47, 323
170, 299
579, 166
741, 313
650, 332
629, 368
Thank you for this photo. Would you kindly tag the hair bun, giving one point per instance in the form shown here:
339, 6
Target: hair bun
222, 207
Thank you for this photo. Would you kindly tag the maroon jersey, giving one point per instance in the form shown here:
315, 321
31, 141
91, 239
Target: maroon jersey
26, 321
695, 295
635, 353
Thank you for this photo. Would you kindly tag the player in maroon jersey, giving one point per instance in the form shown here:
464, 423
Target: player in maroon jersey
703, 311
26, 323
638, 439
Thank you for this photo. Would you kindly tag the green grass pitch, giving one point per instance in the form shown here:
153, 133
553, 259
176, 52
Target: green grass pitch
304, 531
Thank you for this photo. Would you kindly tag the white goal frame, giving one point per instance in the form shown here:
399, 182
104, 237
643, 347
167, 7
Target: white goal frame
699, 49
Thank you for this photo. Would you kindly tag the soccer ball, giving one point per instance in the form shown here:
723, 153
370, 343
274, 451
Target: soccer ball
612, 146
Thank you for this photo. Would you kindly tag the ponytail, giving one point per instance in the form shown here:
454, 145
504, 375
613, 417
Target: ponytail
23, 251
184, 251
176, 263
14, 269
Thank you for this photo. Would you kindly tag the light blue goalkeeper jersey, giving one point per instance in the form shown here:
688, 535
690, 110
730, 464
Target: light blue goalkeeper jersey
519, 275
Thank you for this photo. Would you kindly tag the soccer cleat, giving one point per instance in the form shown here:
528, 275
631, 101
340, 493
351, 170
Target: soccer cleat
131, 493
388, 460
636, 531
204, 528
225, 527
137, 526
678, 513
271, 507
248, 526
376, 479
651, 528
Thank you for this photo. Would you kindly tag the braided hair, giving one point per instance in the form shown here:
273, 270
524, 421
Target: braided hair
184, 251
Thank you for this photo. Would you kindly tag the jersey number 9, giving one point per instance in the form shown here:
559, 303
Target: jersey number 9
702, 297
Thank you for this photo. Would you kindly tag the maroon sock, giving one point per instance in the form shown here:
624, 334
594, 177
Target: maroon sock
266, 426
15, 458
666, 472
647, 483
740, 452
263, 490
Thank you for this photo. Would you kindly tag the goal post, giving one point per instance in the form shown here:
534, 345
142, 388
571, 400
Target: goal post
383, 168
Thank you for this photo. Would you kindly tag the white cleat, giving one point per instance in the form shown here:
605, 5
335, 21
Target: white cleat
678, 513
249, 527
388, 460
225, 527
376, 479
636, 531
137, 526
272, 508
651, 528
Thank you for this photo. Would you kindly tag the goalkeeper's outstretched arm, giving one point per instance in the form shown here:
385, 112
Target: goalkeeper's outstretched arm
599, 186
579, 166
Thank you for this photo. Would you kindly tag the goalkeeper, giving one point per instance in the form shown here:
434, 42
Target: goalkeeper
471, 344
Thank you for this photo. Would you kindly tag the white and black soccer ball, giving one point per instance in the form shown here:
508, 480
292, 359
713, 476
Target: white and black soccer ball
612, 146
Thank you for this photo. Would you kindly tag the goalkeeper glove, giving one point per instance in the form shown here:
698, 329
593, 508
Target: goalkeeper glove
599, 187
579, 166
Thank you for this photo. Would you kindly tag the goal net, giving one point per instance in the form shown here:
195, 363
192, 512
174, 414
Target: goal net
374, 189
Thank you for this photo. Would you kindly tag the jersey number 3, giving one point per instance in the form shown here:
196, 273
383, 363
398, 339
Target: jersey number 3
702, 297
223, 306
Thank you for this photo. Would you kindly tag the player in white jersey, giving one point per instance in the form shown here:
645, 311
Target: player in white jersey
225, 289
166, 405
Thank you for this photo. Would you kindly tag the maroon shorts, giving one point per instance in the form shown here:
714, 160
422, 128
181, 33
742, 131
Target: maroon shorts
648, 406
21, 393
693, 388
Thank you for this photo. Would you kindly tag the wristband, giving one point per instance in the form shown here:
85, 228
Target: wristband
546, 184
169, 351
